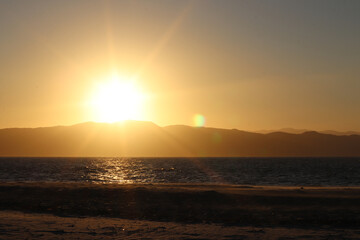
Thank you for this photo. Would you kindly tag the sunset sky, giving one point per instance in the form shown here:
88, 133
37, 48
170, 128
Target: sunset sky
249, 65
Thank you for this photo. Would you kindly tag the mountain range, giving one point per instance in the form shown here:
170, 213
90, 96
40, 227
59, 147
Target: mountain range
146, 139
298, 131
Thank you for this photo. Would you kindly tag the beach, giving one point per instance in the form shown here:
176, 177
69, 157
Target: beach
17, 225
177, 211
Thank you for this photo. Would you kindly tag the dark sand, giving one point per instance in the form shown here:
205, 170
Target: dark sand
18, 225
177, 211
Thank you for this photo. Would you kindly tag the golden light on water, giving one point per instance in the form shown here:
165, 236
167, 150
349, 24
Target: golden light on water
117, 98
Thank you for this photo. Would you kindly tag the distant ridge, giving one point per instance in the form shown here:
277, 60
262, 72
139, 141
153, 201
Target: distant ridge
299, 131
146, 139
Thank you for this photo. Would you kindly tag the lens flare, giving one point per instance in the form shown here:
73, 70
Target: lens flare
199, 120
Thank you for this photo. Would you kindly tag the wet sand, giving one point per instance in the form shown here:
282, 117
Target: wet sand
177, 211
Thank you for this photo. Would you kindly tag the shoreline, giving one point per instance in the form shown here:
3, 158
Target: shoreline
41, 210
190, 203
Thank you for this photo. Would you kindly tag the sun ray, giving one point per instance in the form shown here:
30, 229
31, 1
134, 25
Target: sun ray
166, 36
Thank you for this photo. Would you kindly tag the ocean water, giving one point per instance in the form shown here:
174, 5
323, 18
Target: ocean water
243, 171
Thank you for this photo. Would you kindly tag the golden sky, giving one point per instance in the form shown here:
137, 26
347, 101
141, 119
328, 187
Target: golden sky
249, 65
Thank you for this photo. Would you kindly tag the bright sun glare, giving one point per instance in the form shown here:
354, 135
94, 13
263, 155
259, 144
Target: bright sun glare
117, 99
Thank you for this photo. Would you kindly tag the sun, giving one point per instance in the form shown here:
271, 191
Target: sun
117, 99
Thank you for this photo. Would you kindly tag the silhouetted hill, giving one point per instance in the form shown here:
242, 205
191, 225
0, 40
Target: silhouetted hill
299, 131
134, 138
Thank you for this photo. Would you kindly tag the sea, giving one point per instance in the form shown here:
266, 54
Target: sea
239, 171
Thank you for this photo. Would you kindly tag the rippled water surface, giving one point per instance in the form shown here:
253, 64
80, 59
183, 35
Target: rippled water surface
252, 171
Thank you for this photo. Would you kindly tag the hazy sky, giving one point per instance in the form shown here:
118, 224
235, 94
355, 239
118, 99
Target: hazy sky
241, 64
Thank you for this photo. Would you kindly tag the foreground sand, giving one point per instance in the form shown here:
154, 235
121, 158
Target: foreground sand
17, 225
177, 211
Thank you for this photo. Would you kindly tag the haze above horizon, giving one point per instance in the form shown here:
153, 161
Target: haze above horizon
248, 65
